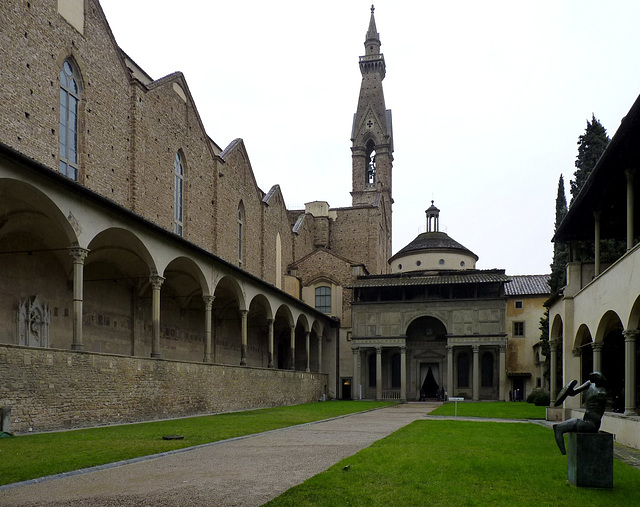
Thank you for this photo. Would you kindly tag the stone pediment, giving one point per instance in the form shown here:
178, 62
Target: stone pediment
430, 355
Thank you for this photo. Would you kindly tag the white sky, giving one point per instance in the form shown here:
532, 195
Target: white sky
488, 99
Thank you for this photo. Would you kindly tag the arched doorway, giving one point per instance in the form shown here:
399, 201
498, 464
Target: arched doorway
426, 357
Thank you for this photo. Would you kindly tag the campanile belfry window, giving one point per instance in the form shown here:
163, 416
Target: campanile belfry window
69, 100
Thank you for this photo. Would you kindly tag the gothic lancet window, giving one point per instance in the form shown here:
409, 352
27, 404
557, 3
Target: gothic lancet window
240, 232
371, 163
69, 100
178, 194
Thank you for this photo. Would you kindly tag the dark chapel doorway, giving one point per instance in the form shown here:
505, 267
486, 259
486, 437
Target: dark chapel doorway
429, 385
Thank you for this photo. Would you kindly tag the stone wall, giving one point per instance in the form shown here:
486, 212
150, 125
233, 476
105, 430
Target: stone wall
51, 389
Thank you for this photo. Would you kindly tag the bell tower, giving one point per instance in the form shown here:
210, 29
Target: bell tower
371, 134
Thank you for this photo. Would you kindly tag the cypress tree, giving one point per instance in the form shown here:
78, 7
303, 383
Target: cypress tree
591, 145
560, 250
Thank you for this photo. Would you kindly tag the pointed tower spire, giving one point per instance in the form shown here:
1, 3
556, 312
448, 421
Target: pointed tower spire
372, 42
372, 136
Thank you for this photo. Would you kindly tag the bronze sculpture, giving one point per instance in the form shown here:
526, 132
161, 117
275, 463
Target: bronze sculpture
595, 401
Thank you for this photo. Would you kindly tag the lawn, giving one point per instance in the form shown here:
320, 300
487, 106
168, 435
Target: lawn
459, 463
498, 410
31, 456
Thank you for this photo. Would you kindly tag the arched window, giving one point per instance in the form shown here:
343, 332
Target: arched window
178, 194
371, 163
487, 369
240, 232
69, 100
323, 299
463, 369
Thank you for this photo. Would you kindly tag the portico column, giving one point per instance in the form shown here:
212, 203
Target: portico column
307, 339
553, 347
319, 353
596, 219
476, 372
403, 373
243, 348
502, 373
378, 373
630, 371
630, 225
292, 349
156, 282
450, 390
208, 304
270, 325
79, 255
597, 356
355, 384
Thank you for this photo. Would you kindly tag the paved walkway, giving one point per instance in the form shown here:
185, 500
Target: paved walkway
244, 472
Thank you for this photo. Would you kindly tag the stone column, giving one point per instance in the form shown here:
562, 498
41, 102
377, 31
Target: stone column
630, 371
630, 225
208, 304
319, 353
156, 282
292, 349
476, 372
79, 255
378, 373
450, 389
502, 373
307, 341
596, 219
355, 384
270, 325
597, 356
553, 360
403, 373
243, 348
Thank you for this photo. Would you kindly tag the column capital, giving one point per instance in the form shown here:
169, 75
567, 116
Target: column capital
502, 348
208, 301
244, 313
576, 352
450, 349
403, 349
156, 281
630, 172
78, 253
307, 333
596, 346
475, 348
553, 345
597, 215
355, 350
630, 334
270, 322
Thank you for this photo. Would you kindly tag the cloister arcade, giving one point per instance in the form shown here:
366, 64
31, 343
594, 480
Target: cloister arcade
79, 272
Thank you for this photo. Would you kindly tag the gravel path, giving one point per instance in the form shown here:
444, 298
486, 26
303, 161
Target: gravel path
242, 472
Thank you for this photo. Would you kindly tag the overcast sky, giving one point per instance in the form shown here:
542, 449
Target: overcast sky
488, 99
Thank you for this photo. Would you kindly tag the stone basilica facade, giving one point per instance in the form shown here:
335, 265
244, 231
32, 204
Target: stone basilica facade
146, 275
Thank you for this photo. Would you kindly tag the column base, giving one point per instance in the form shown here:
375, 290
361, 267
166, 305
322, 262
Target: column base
207, 358
77, 346
156, 355
631, 411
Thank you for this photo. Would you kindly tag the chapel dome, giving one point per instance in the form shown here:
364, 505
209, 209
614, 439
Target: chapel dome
433, 250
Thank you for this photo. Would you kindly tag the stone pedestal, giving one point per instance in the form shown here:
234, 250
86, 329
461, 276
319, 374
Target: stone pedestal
590, 459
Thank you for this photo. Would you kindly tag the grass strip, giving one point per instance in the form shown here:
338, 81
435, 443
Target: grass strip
459, 463
31, 456
496, 410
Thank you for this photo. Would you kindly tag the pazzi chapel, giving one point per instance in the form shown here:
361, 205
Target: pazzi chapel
145, 275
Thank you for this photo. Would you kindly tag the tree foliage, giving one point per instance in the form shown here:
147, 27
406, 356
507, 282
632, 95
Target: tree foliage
591, 145
560, 250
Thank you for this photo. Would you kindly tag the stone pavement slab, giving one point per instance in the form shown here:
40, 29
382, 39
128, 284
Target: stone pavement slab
241, 472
